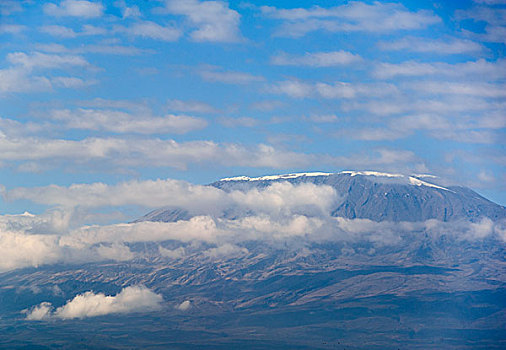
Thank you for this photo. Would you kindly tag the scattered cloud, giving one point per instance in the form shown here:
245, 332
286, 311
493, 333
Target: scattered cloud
114, 153
46, 61
127, 12
267, 105
66, 32
214, 20
150, 30
492, 70
424, 45
105, 49
75, 8
12, 28
337, 90
123, 122
216, 75
190, 106
128, 300
317, 59
231, 122
350, 17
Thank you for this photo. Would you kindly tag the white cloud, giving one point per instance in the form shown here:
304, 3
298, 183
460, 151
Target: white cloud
423, 45
228, 77
126, 11
127, 152
292, 88
12, 28
151, 30
100, 49
493, 70
323, 118
72, 82
190, 106
277, 199
130, 299
75, 8
353, 16
46, 61
66, 32
230, 122
317, 59
122, 122
185, 305
19, 80
21, 250
478, 89
214, 20
337, 90
172, 253
7, 7
59, 31
226, 250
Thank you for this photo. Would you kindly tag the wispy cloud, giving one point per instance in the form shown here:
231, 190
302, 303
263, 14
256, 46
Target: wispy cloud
150, 30
317, 59
215, 74
123, 122
424, 45
353, 16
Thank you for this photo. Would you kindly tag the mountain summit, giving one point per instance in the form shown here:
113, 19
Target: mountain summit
377, 196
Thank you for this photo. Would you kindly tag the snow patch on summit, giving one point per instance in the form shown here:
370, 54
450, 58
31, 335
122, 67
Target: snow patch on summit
417, 182
274, 177
370, 173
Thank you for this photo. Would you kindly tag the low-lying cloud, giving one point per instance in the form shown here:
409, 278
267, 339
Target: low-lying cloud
130, 299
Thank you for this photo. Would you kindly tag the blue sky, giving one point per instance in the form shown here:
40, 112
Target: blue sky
117, 91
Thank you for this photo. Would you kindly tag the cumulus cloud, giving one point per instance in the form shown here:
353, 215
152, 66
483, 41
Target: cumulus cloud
75, 8
128, 300
317, 59
350, 17
185, 305
214, 20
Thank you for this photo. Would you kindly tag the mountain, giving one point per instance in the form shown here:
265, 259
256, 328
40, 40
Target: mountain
246, 278
370, 195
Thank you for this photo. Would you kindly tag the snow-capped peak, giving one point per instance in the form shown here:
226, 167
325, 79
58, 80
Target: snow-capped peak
370, 173
411, 179
275, 177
